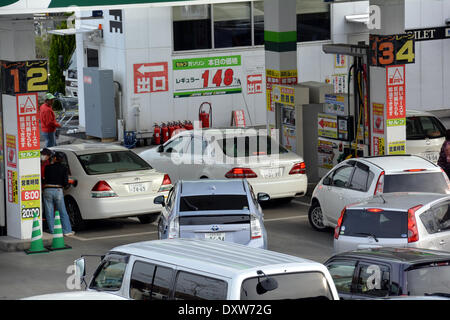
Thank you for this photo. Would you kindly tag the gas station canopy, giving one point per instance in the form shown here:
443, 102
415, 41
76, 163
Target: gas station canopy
40, 6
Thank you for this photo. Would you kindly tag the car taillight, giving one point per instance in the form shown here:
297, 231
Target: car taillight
166, 184
255, 227
102, 190
240, 173
380, 184
446, 179
338, 227
413, 233
174, 229
298, 168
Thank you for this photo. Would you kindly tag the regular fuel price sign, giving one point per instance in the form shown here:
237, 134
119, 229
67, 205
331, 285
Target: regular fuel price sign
207, 76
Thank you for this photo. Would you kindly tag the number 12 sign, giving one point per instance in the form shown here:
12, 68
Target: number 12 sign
24, 76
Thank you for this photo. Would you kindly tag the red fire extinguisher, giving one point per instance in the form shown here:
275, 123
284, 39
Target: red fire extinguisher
171, 129
188, 125
205, 118
156, 134
164, 132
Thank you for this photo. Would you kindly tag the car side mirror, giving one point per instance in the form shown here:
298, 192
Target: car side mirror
262, 196
326, 181
80, 269
160, 200
160, 148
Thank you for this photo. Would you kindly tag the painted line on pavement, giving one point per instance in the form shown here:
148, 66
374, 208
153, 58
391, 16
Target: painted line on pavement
301, 202
114, 236
286, 218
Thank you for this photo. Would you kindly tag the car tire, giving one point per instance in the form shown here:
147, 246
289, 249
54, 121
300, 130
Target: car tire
315, 217
148, 218
74, 213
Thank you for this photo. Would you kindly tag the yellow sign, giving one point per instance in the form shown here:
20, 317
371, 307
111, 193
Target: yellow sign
284, 95
397, 147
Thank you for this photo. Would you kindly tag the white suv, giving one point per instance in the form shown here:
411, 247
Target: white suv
425, 134
356, 180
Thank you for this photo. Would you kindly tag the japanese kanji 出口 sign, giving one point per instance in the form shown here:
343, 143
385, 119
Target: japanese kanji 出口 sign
151, 77
254, 83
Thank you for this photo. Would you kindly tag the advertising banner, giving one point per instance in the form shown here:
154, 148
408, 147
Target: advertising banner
207, 76
27, 122
395, 96
12, 187
327, 126
11, 152
378, 118
283, 95
30, 195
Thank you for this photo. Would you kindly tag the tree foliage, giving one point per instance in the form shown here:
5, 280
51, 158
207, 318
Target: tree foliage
64, 46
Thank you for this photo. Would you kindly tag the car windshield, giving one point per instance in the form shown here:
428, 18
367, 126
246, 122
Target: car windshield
291, 286
421, 127
415, 182
247, 146
214, 202
112, 162
378, 224
429, 280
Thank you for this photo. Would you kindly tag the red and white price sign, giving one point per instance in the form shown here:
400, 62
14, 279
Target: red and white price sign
151, 77
254, 83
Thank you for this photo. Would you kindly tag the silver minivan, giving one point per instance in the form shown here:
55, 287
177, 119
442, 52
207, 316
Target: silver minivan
410, 219
192, 269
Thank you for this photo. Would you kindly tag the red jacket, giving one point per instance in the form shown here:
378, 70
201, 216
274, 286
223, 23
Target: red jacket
48, 120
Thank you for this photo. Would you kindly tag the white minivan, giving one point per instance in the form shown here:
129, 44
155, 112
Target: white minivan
193, 269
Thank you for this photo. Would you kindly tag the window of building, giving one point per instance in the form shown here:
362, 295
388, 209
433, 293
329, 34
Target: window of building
313, 20
258, 22
232, 25
192, 27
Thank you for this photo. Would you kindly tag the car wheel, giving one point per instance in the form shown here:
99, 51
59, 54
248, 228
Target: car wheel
315, 217
148, 218
73, 211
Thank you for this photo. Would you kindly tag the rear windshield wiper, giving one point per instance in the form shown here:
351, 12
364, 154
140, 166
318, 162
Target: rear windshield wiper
368, 234
191, 206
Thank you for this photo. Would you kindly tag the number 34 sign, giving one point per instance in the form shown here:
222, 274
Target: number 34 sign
391, 50
24, 76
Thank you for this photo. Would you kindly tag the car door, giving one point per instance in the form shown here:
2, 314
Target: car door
170, 159
373, 280
343, 273
436, 221
360, 183
193, 159
334, 198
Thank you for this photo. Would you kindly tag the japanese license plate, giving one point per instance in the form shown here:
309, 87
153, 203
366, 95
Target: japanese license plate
271, 172
215, 236
431, 156
137, 187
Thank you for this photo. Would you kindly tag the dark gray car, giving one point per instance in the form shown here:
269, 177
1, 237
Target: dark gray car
213, 209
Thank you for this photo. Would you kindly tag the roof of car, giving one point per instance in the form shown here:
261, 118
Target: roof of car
212, 256
226, 132
400, 200
401, 163
400, 255
411, 113
210, 187
86, 148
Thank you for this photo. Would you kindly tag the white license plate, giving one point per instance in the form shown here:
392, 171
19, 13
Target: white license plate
137, 187
431, 156
271, 172
215, 236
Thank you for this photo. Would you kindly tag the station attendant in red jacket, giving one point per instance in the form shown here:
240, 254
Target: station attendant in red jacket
48, 121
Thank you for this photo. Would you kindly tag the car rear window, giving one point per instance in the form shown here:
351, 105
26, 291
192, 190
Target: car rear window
111, 162
431, 279
421, 127
415, 182
214, 219
214, 202
247, 146
381, 224
291, 286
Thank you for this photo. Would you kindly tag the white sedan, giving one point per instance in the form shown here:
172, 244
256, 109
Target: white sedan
110, 182
232, 154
